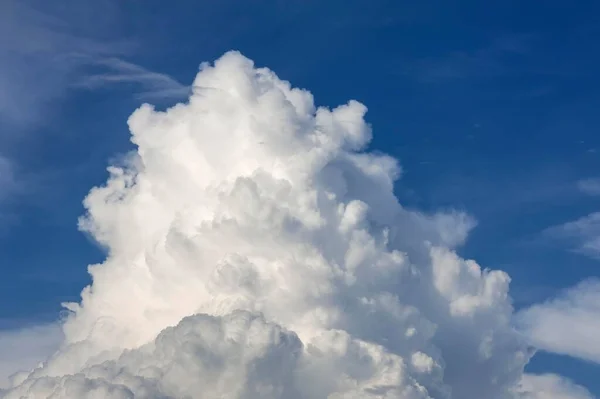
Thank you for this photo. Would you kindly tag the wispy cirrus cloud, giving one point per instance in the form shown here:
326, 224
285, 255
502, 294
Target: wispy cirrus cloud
147, 84
51, 52
568, 324
37, 60
581, 235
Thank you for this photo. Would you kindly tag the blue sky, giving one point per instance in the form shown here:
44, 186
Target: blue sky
491, 108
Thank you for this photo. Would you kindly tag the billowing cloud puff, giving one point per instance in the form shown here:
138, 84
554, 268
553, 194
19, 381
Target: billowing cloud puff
256, 250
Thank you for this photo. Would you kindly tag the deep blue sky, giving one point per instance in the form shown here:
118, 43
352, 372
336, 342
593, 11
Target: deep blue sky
492, 107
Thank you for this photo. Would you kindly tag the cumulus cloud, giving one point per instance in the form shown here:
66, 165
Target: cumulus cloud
551, 386
568, 324
255, 250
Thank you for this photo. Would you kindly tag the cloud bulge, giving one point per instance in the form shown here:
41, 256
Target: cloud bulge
255, 250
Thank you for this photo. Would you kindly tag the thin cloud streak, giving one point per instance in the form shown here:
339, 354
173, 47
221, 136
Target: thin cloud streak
582, 235
568, 324
38, 62
151, 84
52, 53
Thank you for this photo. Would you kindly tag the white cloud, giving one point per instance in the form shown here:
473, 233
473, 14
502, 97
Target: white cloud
23, 349
150, 85
568, 324
255, 251
552, 386
582, 234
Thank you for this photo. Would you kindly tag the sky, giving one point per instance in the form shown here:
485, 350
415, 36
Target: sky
489, 109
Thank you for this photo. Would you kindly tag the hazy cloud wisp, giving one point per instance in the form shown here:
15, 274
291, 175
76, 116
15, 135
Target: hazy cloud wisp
568, 324
52, 50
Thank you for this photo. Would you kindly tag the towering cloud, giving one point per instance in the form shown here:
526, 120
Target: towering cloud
256, 250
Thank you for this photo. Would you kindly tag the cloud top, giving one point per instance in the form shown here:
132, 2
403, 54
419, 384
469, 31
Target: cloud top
255, 250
